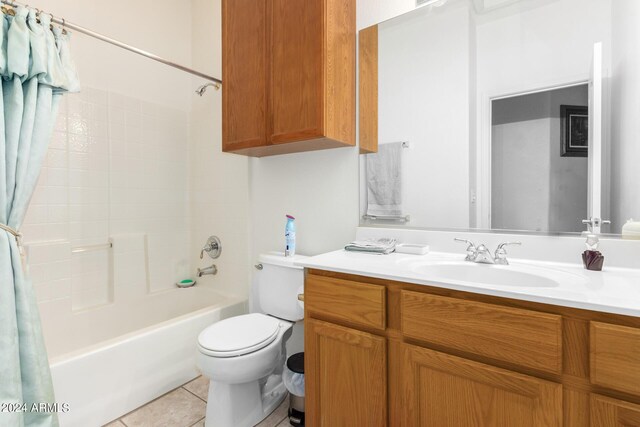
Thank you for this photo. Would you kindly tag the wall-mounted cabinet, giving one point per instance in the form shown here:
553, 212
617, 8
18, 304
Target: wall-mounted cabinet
289, 76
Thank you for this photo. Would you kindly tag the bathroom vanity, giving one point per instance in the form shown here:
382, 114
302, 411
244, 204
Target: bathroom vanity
389, 341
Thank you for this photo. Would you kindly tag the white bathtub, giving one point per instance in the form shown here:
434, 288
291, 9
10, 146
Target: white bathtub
107, 379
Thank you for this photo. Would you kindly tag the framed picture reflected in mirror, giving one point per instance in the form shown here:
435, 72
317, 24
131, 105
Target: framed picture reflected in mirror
574, 128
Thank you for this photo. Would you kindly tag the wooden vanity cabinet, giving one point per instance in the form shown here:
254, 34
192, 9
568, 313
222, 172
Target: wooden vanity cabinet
288, 69
383, 353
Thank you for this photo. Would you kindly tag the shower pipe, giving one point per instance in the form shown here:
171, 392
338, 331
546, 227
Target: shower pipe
68, 25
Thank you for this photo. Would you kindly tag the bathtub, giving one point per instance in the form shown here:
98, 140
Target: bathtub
124, 355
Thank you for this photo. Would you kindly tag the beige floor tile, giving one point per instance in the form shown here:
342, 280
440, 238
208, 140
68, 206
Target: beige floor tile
178, 408
285, 423
116, 423
199, 424
276, 416
199, 387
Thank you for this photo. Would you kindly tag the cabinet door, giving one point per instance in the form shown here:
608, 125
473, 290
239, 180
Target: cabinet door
607, 412
244, 73
297, 80
441, 390
345, 375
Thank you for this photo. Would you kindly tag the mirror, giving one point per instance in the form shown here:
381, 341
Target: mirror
516, 115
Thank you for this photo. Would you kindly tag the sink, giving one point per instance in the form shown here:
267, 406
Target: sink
521, 276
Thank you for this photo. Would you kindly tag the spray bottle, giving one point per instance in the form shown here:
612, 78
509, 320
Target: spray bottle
290, 236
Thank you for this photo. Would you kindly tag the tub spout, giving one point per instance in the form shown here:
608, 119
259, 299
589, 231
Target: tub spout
212, 270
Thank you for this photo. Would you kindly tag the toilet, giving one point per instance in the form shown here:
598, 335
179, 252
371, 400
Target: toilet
244, 356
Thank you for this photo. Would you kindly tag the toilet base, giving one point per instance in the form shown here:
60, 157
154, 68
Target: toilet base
243, 405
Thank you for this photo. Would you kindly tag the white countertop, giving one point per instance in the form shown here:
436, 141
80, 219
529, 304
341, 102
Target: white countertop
613, 290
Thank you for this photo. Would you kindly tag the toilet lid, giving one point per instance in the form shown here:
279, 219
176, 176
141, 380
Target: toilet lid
239, 335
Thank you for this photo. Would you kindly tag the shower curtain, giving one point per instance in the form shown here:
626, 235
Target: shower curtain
36, 70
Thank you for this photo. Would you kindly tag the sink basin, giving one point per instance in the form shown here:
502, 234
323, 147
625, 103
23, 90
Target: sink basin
521, 276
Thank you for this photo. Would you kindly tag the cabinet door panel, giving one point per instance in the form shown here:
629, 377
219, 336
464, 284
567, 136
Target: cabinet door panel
345, 376
441, 390
297, 83
615, 357
244, 73
607, 412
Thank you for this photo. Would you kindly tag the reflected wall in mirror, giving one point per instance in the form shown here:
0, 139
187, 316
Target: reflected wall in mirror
489, 97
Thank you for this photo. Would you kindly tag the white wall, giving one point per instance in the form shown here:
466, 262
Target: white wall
219, 181
625, 110
162, 27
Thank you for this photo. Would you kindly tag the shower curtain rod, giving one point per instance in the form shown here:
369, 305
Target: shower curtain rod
68, 25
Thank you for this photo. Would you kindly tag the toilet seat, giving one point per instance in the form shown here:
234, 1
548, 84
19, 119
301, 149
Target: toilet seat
239, 335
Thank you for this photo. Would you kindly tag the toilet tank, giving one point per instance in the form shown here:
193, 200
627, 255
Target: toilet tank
278, 285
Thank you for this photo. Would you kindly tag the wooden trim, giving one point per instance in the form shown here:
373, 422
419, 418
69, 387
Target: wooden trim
368, 89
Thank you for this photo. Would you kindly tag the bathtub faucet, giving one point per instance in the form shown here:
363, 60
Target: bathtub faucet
212, 270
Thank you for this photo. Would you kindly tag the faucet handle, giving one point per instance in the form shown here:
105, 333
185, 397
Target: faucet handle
471, 249
501, 253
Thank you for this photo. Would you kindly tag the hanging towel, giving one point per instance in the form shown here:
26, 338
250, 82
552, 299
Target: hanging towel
384, 180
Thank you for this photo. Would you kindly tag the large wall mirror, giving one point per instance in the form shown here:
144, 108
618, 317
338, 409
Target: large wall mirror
519, 115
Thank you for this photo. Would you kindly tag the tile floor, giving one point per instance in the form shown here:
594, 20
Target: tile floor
186, 407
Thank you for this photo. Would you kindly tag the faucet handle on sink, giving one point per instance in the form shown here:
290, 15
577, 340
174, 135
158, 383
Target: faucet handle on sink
471, 249
500, 255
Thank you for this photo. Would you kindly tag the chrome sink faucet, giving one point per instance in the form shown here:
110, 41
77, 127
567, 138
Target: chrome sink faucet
482, 255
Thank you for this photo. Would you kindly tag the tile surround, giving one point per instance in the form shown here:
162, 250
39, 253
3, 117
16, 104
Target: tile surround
115, 165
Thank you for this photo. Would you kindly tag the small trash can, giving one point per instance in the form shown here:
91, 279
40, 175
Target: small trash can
293, 378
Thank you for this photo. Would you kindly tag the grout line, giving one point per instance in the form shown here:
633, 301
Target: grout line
201, 419
192, 393
145, 404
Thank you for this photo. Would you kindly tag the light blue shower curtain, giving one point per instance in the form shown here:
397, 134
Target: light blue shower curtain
36, 70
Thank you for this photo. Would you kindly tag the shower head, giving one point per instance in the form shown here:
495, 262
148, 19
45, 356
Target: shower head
202, 89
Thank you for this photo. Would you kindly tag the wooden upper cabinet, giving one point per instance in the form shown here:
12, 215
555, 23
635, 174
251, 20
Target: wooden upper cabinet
288, 75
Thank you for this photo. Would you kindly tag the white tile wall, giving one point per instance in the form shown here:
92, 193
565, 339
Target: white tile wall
116, 165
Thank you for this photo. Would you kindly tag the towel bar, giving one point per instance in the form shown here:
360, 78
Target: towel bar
402, 218
80, 249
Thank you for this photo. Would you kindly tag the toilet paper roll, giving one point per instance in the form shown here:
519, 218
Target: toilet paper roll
301, 292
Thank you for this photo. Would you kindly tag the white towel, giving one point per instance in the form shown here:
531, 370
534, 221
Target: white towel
384, 180
375, 246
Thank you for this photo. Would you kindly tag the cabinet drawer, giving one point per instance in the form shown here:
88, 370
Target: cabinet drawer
354, 302
615, 357
527, 338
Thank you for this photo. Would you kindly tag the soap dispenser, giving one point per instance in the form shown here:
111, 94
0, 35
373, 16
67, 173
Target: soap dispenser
592, 258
